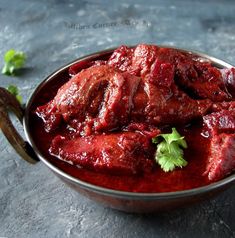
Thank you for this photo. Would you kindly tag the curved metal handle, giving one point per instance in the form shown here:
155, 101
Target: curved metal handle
8, 102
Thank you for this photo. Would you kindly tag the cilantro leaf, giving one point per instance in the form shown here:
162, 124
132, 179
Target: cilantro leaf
13, 60
169, 154
15, 91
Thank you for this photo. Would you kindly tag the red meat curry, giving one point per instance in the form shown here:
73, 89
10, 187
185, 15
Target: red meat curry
98, 126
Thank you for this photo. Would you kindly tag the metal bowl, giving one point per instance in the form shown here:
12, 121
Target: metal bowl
125, 201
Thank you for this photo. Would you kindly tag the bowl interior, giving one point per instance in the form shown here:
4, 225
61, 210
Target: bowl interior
57, 79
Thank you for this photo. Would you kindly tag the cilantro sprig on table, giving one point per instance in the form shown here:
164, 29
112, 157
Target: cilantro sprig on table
15, 91
14, 60
169, 154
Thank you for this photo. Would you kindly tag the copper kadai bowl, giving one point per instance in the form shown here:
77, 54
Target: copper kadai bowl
125, 201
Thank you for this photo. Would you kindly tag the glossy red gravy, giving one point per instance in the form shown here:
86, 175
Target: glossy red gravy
189, 177
156, 181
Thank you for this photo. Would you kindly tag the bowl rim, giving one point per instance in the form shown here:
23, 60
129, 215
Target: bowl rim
113, 192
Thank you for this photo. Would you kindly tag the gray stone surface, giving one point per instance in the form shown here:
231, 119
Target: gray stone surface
35, 203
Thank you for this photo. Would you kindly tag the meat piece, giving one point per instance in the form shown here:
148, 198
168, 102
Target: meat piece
161, 73
220, 128
221, 161
74, 98
143, 58
122, 59
201, 80
100, 97
139, 60
162, 102
198, 79
121, 153
158, 100
165, 107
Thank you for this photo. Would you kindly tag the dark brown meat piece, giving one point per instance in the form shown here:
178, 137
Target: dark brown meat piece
121, 153
220, 128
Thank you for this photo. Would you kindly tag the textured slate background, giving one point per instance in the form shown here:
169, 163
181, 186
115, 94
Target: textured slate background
33, 202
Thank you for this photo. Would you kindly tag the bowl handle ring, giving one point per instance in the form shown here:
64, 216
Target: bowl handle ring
8, 102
